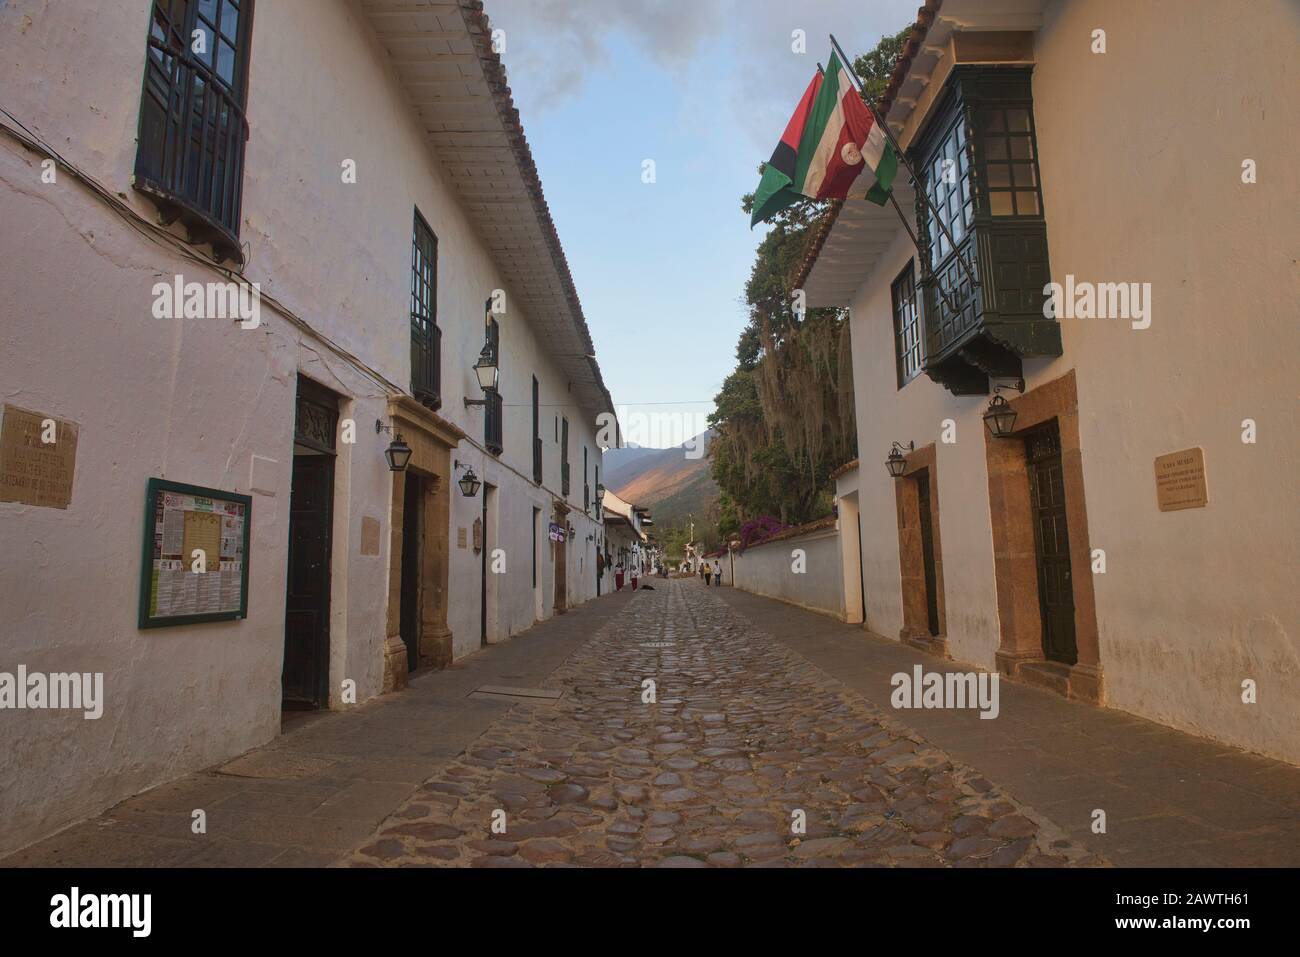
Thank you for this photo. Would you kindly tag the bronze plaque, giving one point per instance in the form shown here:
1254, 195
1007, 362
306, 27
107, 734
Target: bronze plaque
35, 471
369, 535
478, 535
1180, 480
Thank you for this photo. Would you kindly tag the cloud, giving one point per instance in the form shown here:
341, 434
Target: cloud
555, 47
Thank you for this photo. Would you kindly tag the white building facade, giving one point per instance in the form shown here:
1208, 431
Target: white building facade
627, 538
383, 199
1125, 542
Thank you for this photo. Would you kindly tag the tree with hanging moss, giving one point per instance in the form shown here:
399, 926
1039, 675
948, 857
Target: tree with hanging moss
784, 419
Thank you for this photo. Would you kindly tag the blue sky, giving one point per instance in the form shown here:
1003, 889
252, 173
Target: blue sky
704, 89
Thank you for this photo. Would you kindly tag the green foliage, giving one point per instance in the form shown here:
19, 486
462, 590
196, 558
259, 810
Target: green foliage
875, 68
784, 417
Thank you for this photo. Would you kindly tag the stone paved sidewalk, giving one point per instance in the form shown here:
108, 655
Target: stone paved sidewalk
1171, 799
310, 795
745, 738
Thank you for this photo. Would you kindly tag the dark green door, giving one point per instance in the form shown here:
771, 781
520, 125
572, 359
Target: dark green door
307, 601
1052, 544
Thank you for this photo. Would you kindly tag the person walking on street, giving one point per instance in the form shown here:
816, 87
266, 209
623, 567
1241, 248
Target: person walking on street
717, 572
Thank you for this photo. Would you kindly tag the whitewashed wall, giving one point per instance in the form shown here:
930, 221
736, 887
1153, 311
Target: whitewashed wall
767, 570
1135, 189
196, 400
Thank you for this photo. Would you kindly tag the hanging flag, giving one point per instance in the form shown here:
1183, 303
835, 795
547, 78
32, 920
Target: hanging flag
847, 154
775, 190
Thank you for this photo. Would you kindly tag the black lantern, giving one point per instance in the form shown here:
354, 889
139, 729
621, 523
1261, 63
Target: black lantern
486, 369
398, 452
600, 493
469, 483
897, 463
1000, 417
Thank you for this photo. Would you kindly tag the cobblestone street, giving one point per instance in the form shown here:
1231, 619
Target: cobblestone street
750, 755
762, 709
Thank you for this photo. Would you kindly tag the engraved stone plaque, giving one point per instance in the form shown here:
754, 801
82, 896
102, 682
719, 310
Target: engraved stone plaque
38, 457
1180, 480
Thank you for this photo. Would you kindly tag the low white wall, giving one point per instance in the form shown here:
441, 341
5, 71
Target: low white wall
771, 570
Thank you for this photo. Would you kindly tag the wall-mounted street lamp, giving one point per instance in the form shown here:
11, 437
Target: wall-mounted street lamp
1000, 418
469, 483
487, 372
600, 494
897, 462
398, 452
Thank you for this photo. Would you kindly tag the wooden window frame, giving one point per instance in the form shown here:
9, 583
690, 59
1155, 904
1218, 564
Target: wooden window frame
426, 337
537, 438
565, 484
494, 406
909, 353
196, 176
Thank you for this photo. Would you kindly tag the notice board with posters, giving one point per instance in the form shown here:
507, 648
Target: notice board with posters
195, 565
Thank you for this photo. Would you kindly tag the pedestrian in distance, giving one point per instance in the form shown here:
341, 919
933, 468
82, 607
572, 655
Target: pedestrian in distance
717, 572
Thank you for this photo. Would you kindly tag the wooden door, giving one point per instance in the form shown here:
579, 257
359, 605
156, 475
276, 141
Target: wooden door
412, 522
927, 551
1051, 544
305, 675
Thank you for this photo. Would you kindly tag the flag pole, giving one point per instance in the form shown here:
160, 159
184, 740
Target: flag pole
920, 192
902, 218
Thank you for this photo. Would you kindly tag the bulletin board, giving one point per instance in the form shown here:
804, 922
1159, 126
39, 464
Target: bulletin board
195, 561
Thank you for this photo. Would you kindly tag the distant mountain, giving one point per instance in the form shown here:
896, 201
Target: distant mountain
623, 465
672, 485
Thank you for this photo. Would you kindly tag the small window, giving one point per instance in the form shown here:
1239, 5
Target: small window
426, 337
1010, 161
494, 407
564, 458
948, 187
907, 326
537, 437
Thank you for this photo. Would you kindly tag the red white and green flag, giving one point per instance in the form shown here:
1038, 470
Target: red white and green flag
776, 188
843, 153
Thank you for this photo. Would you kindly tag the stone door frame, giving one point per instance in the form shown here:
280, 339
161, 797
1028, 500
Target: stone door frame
432, 440
911, 558
559, 562
1015, 562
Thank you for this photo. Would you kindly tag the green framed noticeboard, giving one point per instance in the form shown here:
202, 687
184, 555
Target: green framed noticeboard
195, 560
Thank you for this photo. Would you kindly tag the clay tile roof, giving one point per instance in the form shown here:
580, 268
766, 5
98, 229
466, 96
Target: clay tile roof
844, 469
924, 18
795, 531
480, 30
